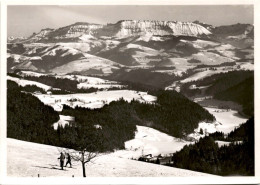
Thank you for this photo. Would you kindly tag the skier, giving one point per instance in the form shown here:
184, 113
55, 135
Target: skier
68, 160
61, 158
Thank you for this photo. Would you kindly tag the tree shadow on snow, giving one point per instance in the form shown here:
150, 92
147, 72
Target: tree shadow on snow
57, 166
52, 167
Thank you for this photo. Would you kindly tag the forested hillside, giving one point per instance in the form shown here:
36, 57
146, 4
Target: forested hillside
28, 118
115, 123
172, 113
236, 86
207, 156
242, 93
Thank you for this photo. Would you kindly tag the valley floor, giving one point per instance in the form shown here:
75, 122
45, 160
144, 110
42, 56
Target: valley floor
27, 159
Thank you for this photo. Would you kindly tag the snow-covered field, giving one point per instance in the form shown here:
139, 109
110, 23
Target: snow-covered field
20, 58
228, 120
180, 64
87, 85
201, 43
24, 83
207, 128
151, 141
247, 66
85, 82
203, 74
209, 58
26, 159
31, 73
222, 143
86, 64
198, 76
93, 100
64, 120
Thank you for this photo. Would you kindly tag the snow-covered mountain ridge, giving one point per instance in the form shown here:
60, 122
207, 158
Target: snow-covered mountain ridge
142, 27
122, 28
239, 35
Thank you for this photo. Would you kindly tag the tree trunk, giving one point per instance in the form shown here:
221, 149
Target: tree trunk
84, 170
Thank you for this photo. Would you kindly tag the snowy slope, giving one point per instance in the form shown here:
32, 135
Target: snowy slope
23, 83
31, 73
228, 120
209, 58
87, 45
87, 64
85, 82
54, 51
201, 75
201, 43
64, 120
151, 141
26, 159
222, 143
87, 85
94, 100
20, 58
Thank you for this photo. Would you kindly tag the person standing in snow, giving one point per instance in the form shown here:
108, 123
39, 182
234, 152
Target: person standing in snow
68, 160
61, 158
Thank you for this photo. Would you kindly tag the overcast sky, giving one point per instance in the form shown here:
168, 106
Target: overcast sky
24, 20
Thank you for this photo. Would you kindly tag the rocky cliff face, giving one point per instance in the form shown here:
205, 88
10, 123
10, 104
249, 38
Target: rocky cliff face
75, 30
240, 35
133, 28
124, 28
41, 35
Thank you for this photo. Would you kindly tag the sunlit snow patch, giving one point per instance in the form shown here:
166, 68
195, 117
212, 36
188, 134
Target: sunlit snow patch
94, 100
64, 120
24, 83
151, 141
228, 119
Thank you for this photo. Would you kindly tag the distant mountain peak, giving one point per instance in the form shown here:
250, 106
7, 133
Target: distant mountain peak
155, 27
128, 28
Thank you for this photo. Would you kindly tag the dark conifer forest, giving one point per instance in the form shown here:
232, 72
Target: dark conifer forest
172, 113
236, 86
28, 118
206, 156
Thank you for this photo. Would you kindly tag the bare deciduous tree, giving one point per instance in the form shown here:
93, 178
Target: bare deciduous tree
83, 156
88, 146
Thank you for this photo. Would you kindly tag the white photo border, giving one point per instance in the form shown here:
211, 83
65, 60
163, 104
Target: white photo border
127, 180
